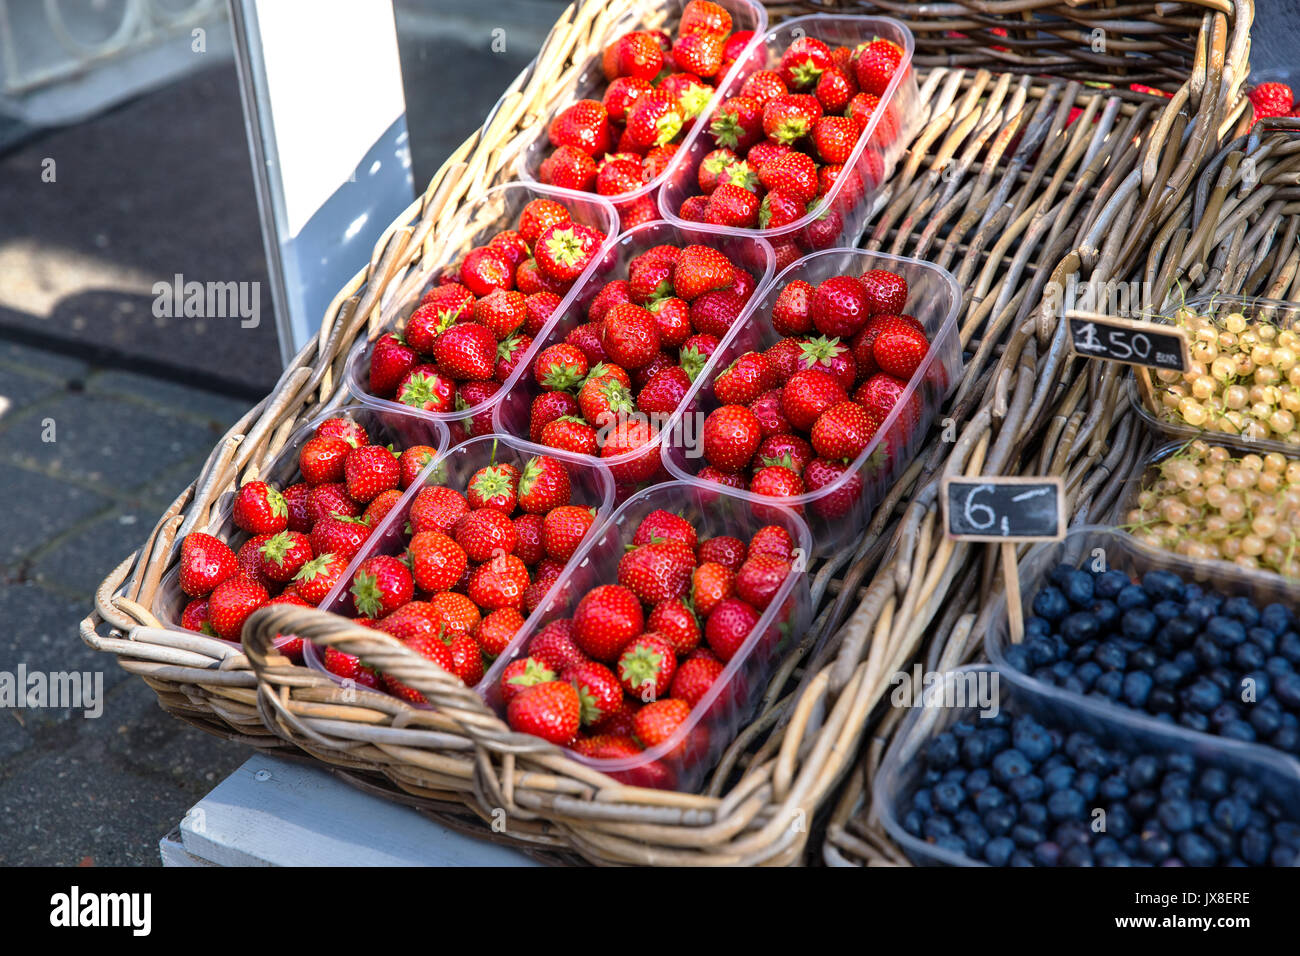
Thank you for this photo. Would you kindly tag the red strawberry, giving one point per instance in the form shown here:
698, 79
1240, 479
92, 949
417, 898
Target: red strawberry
205, 563
543, 485
675, 622
886, 291
647, 282
551, 710
412, 461
503, 312
425, 388
466, 657
437, 508
350, 668
655, 723
803, 63
824, 230
381, 505
495, 486
453, 611
776, 481
732, 479
295, 501
315, 578
699, 53
731, 436
728, 626
538, 215
598, 690
470, 396
586, 338
657, 571
495, 632
231, 603
485, 270
618, 174
437, 561
636, 54
606, 619
634, 441
704, 16
764, 85
259, 508
195, 617
792, 311
791, 174
570, 433
899, 347
695, 353
510, 353
340, 535
564, 528
701, 269
710, 585
555, 646
790, 117
834, 138
521, 674
694, 678
712, 166
511, 245
569, 168
249, 558
429, 320
725, 550
692, 93
607, 747
369, 471
760, 578
390, 360
784, 356
664, 392
734, 206
486, 533
880, 393
631, 335
380, 586
563, 251
528, 539
745, 379
715, 312
321, 459
787, 450
661, 525
738, 123
560, 366
646, 667
874, 65
840, 501
621, 94
673, 316
830, 356
772, 539
694, 209
583, 125
807, 394
283, 555
835, 90
605, 394
654, 120
499, 583
466, 351
546, 408
839, 307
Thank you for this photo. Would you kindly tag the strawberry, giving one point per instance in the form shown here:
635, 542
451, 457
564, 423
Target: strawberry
511, 245
522, 674
694, 678
621, 94
704, 17
555, 646
699, 53
466, 351
510, 353
636, 54
776, 481
655, 164
563, 529
715, 312
631, 440
606, 619
899, 347
886, 291
673, 316
380, 586
429, 647
730, 437
583, 125
369, 471
543, 485
834, 138
820, 474
732, 479
350, 668
449, 296
231, 603
259, 508
874, 65
1272, 99
772, 539
569, 168
694, 209
570, 433
598, 690
321, 459
880, 393
429, 320
692, 94
760, 578
437, 508
390, 360
725, 550
466, 657
499, 583
839, 307
619, 174
528, 538
381, 505
315, 578
791, 174
550, 710
564, 251
657, 722
284, 554
425, 388
738, 123
791, 312
829, 356
664, 392
646, 667
835, 90
734, 206
675, 622
412, 461
728, 626
787, 450
340, 535
195, 617
538, 309
803, 63
611, 293
701, 269
471, 396
249, 559
437, 561
206, 562
763, 85
807, 394
485, 270
546, 408
789, 117
647, 283
538, 215
711, 584
631, 335
712, 165
454, 612
657, 571
745, 379
494, 486
496, 630
501, 311
605, 394
607, 747
661, 525
695, 353
413, 621
486, 533
295, 501
654, 120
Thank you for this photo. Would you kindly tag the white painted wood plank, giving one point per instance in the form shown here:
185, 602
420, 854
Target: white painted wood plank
271, 812
173, 852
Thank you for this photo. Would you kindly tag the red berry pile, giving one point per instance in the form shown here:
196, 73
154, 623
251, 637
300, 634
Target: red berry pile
784, 141
657, 86
645, 340
476, 563
792, 418
302, 537
472, 329
1273, 99
624, 672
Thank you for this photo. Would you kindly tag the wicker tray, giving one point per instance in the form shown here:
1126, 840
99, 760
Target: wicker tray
1000, 188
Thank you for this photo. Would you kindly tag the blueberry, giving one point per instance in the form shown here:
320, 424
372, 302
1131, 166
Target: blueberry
975, 750
1248, 790
1162, 702
1242, 609
1078, 855
1026, 835
1287, 832
1087, 674
1042, 651
962, 729
1156, 845
1109, 685
1278, 666
1223, 842
1262, 638
1142, 802
1137, 687
1176, 786
1249, 656
955, 775
1047, 854
953, 844
1182, 630
1009, 765
1037, 627
1027, 788
1276, 618
1110, 656
997, 852
1114, 787
1287, 689
1033, 814
1078, 588
922, 802
1058, 778
1266, 721
1288, 645
1131, 597
948, 797
999, 820
1066, 804
1110, 583
913, 822
1195, 850
1093, 759
1163, 584
1119, 822
1087, 784
1114, 859
1231, 813
977, 780
976, 838
1201, 609
1225, 631
989, 798
1223, 715
1107, 614
931, 777
1194, 721
1050, 604
1062, 669
1203, 696
1138, 623
1256, 845
1238, 730
1017, 657
1167, 674
1143, 771
936, 826
965, 817
1223, 678
1060, 573
1031, 740
1175, 815
1020, 858
1209, 654
1180, 762
1167, 611
1286, 739
1282, 856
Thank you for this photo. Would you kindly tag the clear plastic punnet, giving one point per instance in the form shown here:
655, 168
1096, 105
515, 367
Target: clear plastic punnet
1168, 417
891, 127
904, 764
683, 760
475, 223
588, 83
590, 486
1112, 549
754, 255
838, 512
398, 428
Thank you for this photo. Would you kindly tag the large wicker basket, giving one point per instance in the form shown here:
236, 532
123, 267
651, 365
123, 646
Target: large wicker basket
1002, 186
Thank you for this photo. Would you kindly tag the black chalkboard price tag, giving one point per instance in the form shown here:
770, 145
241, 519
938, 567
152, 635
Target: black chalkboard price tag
1129, 341
1004, 508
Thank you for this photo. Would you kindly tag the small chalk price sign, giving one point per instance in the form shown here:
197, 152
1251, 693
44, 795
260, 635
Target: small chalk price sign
1129, 341
1004, 508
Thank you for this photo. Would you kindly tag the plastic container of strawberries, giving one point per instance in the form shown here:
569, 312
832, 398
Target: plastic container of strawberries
398, 427
934, 299
873, 158
590, 485
477, 221
730, 701
901, 771
1277, 313
589, 82
753, 254
1119, 550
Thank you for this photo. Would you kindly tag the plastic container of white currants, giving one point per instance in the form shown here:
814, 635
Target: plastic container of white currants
590, 486
588, 82
1112, 548
900, 773
683, 761
399, 427
873, 158
1170, 423
476, 222
934, 299
511, 416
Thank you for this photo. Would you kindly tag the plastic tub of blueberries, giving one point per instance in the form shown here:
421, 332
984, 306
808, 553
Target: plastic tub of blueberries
893, 123
1210, 658
1170, 421
513, 413
683, 760
590, 486
474, 224
838, 510
1032, 780
399, 428
588, 82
